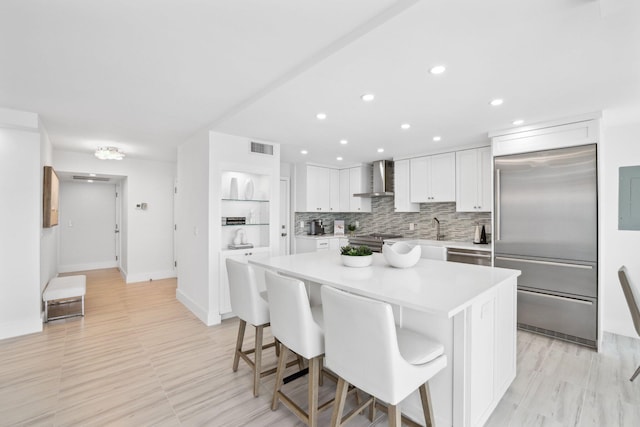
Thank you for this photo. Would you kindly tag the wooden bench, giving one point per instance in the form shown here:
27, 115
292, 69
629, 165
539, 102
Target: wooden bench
64, 290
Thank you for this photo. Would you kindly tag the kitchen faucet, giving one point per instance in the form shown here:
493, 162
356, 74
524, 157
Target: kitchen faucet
437, 224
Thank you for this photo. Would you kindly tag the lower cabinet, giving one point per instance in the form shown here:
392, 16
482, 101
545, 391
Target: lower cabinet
311, 244
243, 255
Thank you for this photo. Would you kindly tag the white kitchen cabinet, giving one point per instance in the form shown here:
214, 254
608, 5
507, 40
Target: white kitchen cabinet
359, 178
317, 189
402, 192
345, 191
337, 242
352, 181
432, 178
473, 180
243, 255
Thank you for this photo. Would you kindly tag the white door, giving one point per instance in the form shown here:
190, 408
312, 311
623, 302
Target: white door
116, 231
87, 224
285, 199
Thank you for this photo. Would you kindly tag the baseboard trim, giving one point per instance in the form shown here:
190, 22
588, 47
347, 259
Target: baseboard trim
19, 328
145, 277
70, 268
205, 317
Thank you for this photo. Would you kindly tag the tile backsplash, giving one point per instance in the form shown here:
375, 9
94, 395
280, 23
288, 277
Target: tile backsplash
458, 226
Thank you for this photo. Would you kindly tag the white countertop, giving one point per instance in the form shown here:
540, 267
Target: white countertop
444, 243
321, 236
439, 287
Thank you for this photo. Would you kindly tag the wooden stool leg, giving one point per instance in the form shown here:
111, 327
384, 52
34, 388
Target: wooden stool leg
395, 416
338, 405
276, 344
257, 364
427, 404
372, 410
236, 358
282, 365
314, 379
321, 369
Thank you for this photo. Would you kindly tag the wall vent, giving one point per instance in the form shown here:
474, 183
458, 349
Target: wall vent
257, 147
90, 178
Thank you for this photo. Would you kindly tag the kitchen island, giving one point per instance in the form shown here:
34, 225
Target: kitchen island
470, 309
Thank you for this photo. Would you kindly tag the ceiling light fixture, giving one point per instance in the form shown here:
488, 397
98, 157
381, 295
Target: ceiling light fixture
344, 142
92, 174
518, 122
304, 152
380, 150
496, 102
437, 138
338, 158
321, 116
405, 126
109, 153
368, 97
89, 180
438, 69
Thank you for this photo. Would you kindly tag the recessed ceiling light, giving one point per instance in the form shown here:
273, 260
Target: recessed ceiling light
89, 180
368, 97
438, 69
518, 122
496, 102
405, 126
380, 150
338, 158
304, 152
321, 116
437, 138
92, 174
344, 142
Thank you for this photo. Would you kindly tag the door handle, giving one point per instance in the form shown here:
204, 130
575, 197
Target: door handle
283, 234
497, 214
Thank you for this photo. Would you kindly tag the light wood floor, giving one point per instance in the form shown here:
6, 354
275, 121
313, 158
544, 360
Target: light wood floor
140, 358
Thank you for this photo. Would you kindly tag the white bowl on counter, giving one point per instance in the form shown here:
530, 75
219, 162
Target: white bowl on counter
357, 261
401, 254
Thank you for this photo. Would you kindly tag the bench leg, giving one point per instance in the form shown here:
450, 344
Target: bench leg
82, 305
46, 311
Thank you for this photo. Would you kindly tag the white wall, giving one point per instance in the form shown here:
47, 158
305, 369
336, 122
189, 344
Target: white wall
49, 237
620, 147
20, 216
148, 245
192, 219
87, 224
201, 161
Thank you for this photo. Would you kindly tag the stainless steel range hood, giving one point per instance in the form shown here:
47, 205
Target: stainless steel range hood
382, 180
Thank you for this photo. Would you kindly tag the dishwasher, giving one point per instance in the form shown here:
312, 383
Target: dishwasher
469, 256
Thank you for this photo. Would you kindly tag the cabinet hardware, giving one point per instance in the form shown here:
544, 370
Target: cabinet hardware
557, 264
538, 294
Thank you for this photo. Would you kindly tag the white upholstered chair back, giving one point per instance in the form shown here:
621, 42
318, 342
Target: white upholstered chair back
292, 321
246, 301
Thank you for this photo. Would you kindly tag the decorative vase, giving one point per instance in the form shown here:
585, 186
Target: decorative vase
248, 190
240, 237
357, 261
233, 190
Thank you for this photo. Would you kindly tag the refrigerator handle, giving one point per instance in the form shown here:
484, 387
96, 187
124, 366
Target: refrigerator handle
497, 216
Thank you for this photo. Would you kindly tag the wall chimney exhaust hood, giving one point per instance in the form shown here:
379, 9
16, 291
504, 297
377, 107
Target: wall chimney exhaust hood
382, 180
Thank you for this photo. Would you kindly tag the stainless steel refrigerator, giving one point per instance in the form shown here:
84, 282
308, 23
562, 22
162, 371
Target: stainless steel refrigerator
546, 225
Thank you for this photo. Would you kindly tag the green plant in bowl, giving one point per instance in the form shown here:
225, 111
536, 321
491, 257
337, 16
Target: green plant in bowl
355, 251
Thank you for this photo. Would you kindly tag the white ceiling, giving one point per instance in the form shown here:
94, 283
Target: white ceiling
144, 75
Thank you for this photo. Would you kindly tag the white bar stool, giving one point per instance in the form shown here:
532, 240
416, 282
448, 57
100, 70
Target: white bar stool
251, 306
298, 328
365, 348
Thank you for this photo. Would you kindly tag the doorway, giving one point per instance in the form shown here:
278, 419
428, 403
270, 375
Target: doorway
87, 226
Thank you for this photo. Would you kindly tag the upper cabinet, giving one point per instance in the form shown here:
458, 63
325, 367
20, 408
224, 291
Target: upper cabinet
359, 182
317, 189
323, 189
433, 178
401, 190
473, 180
